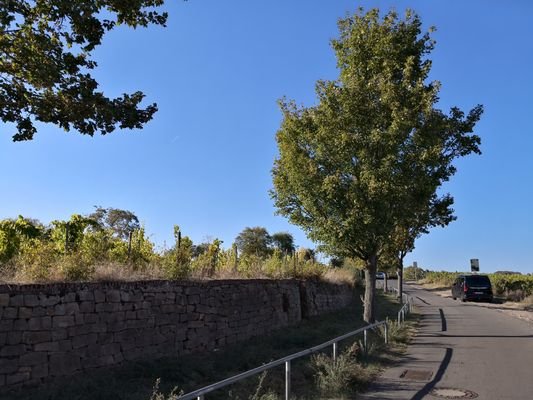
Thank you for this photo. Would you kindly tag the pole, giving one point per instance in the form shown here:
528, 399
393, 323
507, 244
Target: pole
287, 379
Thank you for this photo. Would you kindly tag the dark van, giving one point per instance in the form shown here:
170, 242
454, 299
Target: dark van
472, 287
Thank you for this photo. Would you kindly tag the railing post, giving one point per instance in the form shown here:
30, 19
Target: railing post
386, 332
364, 340
201, 397
287, 379
334, 351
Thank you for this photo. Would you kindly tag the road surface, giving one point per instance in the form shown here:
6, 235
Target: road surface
469, 349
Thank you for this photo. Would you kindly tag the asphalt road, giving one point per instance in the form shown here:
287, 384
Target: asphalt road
463, 347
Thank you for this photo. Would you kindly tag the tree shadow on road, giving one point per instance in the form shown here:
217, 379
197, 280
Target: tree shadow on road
428, 387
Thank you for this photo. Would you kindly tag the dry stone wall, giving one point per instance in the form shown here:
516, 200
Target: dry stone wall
60, 329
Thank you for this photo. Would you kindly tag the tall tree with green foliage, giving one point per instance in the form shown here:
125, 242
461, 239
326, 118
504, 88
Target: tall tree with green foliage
45, 60
349, 166
429, 213
13, 232
284, 242
120, 222
254, 241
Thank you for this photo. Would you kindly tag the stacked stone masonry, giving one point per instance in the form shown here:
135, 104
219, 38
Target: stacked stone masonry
61, 329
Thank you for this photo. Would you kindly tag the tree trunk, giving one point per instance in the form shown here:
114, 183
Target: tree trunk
370, 289
400, 280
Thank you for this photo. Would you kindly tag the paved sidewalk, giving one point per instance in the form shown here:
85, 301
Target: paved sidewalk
469, 349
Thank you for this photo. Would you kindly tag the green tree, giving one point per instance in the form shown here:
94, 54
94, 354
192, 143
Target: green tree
305, 254
346, 166
254, 241
45, 60
428, 213
13, 232
284, 242
68, 235
120, 222
177, 261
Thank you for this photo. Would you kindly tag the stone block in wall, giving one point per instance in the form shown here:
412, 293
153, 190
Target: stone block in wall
107, 307
47, 346
64, 364
124, 296
85, 295
117, 326
99, 296
84, 340
143, 314
6, 325
59, 310
12, 350
14, 337
192, 290
10, 313
65, 345
72, 308
125, 335
106, 337
39, 323
63, 321
31, 300
34, 358
16, 300
131, 315
136, 296
127, 345
109, 349
79, 319
118, 358
48, 301
4, 299
69, 297
59, 334
18, 377
38, 311
113, 296
39, 371
90, 318
95, 362
98, 327
8, 366
20, 325
34, 337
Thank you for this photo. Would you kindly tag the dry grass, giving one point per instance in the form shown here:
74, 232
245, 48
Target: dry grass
528, 303
119, 272
340, 276
99, 272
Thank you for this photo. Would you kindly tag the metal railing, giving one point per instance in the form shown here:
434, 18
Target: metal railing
199, 393
407, 302
406, 309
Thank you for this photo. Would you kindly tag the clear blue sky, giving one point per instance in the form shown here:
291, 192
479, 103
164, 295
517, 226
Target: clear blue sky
216, 72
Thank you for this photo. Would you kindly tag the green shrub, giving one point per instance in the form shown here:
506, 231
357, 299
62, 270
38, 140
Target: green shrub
157, 395
75, 267
342, 377
37, 260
